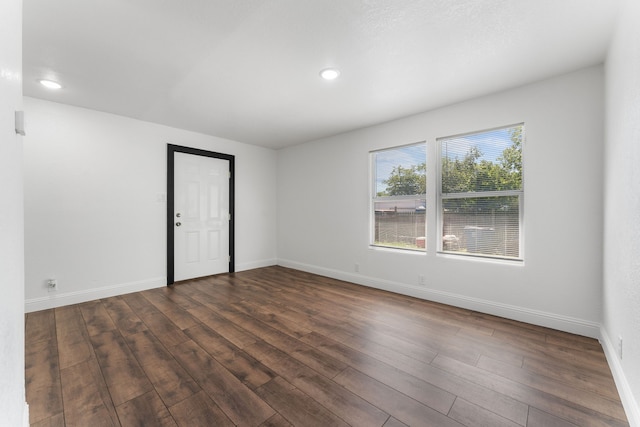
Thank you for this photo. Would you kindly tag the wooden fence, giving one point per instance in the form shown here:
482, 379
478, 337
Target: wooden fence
492, 233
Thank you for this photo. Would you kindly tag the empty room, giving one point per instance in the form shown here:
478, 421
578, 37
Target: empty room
320, 213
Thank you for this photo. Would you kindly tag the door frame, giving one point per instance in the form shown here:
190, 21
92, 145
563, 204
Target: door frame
171, 150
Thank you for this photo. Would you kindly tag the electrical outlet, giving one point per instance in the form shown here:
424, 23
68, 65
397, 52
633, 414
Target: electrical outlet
620, 346
52, 285
356, 267
421, 279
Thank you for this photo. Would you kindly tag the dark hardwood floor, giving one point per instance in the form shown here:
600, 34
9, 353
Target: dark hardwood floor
279, 347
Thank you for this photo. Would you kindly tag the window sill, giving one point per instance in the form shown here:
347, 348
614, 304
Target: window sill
481, 258
397, 250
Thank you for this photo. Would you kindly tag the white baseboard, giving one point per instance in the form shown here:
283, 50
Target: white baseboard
631, 407
61, 299
25, 415
522, 314
243, 266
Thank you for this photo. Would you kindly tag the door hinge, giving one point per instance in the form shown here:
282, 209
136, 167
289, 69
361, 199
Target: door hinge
229, 174
229, 217
229, 258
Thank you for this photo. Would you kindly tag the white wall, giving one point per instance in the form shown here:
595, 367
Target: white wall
93, 218
323, 207
13, 410
621, 294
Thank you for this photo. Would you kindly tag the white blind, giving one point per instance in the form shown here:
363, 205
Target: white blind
484, 161
481, 192
399, 197
400, 171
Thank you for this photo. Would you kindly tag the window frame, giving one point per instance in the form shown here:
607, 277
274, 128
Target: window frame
373, 198
478, 195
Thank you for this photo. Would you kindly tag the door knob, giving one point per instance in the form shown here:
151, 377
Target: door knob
178, 224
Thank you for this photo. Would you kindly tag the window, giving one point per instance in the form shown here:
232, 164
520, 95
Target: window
481, 193
399, 197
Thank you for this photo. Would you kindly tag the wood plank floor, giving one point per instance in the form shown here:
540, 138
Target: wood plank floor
279, 347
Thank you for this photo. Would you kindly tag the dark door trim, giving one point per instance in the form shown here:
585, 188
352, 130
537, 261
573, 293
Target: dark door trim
171, 149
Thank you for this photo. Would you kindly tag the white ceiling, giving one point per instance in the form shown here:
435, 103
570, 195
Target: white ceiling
247, 70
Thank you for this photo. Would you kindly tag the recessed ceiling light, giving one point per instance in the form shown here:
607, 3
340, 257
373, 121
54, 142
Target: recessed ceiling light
329, 74
50, 84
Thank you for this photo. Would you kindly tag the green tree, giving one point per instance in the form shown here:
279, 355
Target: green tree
474, 174
470, 174
459, 176
511, 161
405, 181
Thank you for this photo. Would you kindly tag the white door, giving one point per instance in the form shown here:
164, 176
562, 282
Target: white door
201, 217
